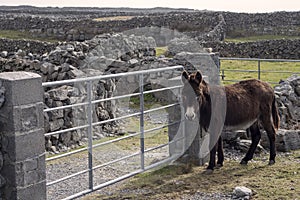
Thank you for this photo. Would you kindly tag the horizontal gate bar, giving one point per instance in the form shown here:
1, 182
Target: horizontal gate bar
110, 141
126, 176
95, 78
259, 59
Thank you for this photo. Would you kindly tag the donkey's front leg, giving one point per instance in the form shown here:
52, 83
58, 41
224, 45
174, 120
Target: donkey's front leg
212, 159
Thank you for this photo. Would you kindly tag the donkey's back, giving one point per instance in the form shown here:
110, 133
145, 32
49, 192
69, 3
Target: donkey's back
247, 102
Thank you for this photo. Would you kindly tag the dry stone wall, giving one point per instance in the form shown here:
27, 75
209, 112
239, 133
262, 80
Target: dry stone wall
79, 25
273, 49
105, 54
288, 100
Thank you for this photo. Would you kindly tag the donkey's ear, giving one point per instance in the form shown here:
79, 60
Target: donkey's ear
198, 77
184, 77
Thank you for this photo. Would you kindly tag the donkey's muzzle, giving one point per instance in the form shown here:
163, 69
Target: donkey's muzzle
190, 113
190, 116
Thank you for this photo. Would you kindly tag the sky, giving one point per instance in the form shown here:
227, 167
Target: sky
252, 6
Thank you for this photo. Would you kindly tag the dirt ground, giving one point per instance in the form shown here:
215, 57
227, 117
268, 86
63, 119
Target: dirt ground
279, 181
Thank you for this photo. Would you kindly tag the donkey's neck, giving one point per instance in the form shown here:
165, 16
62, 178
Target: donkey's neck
205, 111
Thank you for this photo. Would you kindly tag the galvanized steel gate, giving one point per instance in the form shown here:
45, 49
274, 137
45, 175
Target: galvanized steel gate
88, 82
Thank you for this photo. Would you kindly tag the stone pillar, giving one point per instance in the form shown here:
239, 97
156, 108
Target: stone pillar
23, 174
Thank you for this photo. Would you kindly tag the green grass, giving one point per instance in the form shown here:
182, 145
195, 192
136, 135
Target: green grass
161, 51
19, 35
265, 67
132, 125
259, 38
279, 181
114, 18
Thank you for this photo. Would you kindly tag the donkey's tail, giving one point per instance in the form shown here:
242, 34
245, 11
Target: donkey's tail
275, 115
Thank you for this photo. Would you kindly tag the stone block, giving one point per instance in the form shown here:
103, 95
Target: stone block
17, 85
31, 177
35, 191
56, 125
286, 140
29, 145
30, 164
20, 119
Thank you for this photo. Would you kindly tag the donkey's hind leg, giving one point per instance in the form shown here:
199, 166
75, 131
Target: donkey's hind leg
255, 137
270, 129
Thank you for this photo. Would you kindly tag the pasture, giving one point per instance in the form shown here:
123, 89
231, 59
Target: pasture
271, 72
258, 38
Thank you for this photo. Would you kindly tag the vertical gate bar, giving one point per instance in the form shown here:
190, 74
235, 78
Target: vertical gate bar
258, 69
184, 146
142, 136
90, 134
223, 75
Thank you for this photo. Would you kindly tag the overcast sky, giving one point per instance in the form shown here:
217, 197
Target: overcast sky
216, 5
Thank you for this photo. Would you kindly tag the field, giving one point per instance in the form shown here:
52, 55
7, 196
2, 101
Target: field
235, 70
23, 35
271, 72
259, 37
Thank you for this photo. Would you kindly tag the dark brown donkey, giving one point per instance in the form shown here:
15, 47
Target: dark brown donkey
247, 104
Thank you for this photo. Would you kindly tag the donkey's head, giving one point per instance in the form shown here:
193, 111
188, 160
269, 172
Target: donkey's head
192, 94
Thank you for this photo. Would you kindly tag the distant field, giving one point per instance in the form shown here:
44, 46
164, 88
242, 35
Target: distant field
19, 35
15, 35
260, 37
271, 72
114, 18
278, 68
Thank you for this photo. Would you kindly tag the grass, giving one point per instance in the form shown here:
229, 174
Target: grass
266, 68
279, 181
114, 18
20, 35
259, 38
152, 139
161, 51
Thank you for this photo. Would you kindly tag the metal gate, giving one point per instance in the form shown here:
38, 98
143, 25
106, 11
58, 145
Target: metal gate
62, 163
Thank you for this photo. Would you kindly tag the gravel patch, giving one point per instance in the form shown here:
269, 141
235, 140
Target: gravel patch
75, 163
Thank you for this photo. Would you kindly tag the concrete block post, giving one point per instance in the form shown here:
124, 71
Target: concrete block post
22, 147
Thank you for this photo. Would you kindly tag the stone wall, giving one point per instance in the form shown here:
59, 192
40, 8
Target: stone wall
288, 100
273, 49
276, 23
31, 46
105, 54
77, 26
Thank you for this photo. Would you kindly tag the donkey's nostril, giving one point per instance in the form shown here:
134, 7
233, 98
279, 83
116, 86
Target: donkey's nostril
190, 116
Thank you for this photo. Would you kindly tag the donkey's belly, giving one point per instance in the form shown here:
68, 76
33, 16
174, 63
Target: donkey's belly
239, 126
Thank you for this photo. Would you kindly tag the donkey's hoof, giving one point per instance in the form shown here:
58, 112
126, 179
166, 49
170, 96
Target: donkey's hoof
244, 162
208, 171
219, 165
271, 162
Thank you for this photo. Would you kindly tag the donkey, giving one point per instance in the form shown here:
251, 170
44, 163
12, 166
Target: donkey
248, 105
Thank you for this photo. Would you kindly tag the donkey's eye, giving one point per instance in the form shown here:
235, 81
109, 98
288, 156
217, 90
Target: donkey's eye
197, 98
